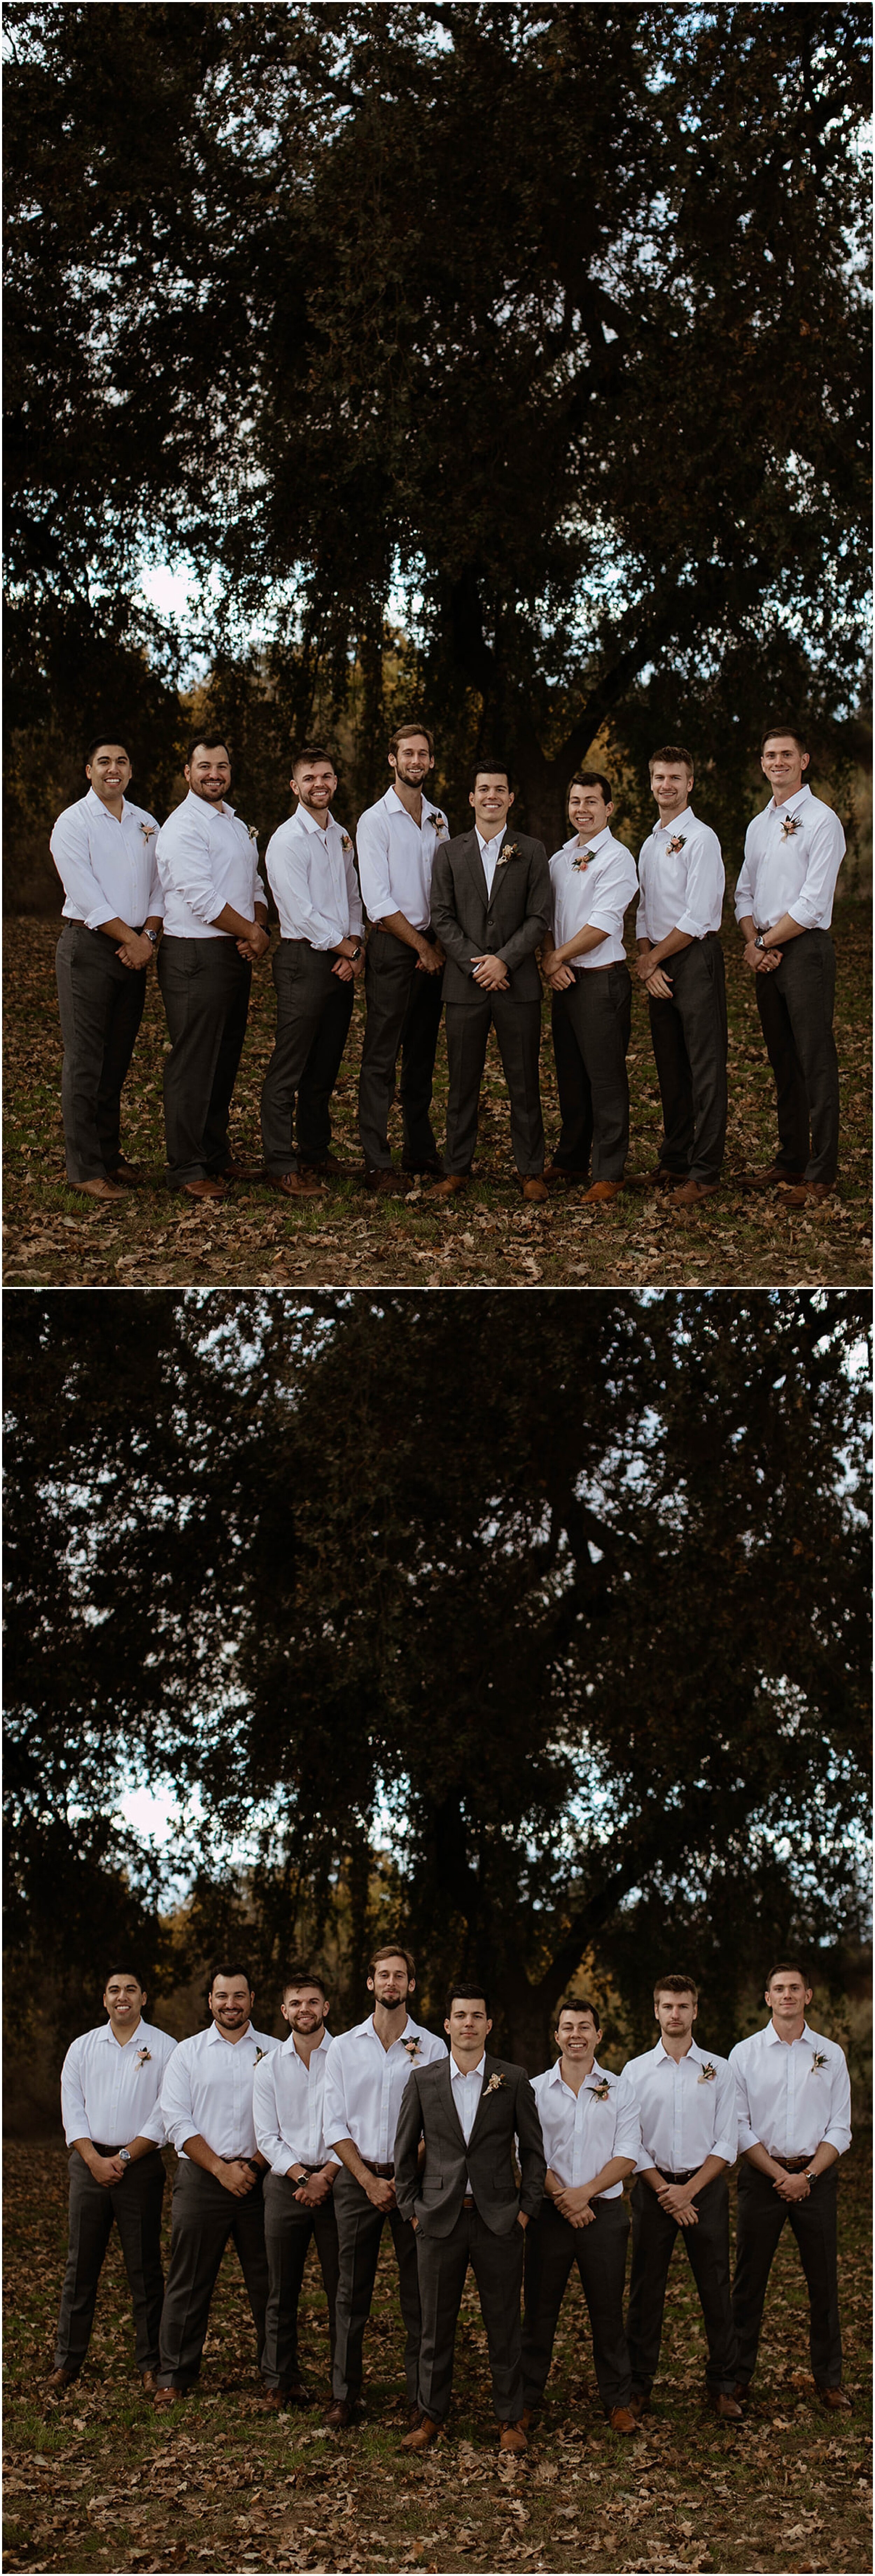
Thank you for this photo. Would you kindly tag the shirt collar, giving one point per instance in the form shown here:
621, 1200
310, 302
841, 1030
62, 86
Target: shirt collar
205, 808
457, 2071
214, 2033
677, 819
396, 806
494, 836
774, 2040
790, 802
109, 2033
304, 816
597, 843
693, 2051
93, 800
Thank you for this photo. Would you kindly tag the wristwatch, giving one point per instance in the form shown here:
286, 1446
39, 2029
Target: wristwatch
152, 936
759, 941
124, 2155
356, 954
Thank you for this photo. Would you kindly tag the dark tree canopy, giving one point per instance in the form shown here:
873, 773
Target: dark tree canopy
560, 1601
548, 320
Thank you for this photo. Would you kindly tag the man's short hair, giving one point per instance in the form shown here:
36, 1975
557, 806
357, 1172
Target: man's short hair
127, 1971
410, 724
778, 727
312, 751
467, 1994
304, 1977
791, 1968
230, 1968
578, 2004
488, 768
393, 1950
593, 778
103, 740
673, 756
676, 1986
206, 742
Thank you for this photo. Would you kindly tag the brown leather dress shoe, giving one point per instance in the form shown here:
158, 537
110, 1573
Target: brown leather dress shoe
512, 2438
204, 1189
293, 1185
808, 1194
622, 2420
60, 2379
771, 1179
535, 1188
727, 2408
560, 1172
150, 2383
422, 2436
638, 2405
836, 2401
447, 1188
128, 1175
276, 2400
340, 2415
692, 1192
527, 2417
601, 1193
172, 2396
102, 1189
234, 1171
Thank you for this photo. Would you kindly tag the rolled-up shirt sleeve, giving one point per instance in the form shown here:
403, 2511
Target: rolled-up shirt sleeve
184, 862
265, 2113
356, 915
70, 850
705, 884
289, 878
747, 2134
726, 2115
335, 2117
616, 888
174, 2102
627, 2128
837, 2133
827, 850
372, 842
744, 894
641, 929
73, 2112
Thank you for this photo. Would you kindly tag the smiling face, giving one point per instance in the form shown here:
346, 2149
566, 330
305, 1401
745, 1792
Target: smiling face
672, 786
492, 800
788, 1997
209, 773
577, 2038
231, 2001
588, 812
124, 2000
412, 760
784, 764
390, 1984
305, 2009
109, 772
314, 781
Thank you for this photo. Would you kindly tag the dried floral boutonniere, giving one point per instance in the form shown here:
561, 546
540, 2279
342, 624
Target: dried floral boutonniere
413, 2047
791, 824
584, 859
495, 2084
346, 845
259, 2054
143, 2057
817, 2061
708, 2074
601, 2092
679, 843
148, 831
439, 825
509, 851
252, 829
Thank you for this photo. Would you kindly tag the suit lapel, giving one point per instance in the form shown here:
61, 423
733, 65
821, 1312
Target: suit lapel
478, 871
489, 2070
448, 2082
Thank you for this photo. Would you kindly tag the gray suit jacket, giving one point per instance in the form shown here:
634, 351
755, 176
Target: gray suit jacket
509, 923
435, 2194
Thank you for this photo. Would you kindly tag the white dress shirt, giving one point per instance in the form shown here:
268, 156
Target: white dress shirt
207, 2091
110, 2087
685, 2114
788, 2102
311, 872
582, 2133
467, 2084
680, 889
288, 2098
395, 859
489, 852
206, 858
108, 869
791, 870
594, 897
364, 2082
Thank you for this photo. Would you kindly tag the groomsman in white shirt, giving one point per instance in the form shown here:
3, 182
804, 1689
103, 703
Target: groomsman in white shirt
794, 2124
215, 930
206, 2104
310, 868
688, 2110
104, 851
783, 904
680, 964
110, 2083
366, 2074
288, 2102
396, 841
593, 881
592, 2138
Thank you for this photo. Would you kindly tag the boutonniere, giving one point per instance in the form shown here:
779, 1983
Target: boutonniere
148, 831
259, 2054
346, 845
817, 2061
708, 2074
679, 843
439, 824
143, 2057
583, 860
495, 2084
791, 824
601, 2092
252, 829
509, 851
412, 2047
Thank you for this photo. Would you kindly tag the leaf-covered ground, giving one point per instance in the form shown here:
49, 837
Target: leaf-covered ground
102, 2483
485, 1237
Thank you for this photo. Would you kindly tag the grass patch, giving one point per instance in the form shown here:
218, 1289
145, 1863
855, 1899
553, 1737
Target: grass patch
485, 1238
100, 2482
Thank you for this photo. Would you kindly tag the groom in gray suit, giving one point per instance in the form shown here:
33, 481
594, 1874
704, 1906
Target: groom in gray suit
490, 902
467, 2206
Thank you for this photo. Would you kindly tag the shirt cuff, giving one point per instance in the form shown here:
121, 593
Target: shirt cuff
747, 2137
838, 2138
804, 910
692, 929
725, 2147
610, 922
100, 913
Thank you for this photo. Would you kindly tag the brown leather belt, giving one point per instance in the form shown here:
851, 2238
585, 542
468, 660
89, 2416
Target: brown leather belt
384, 2173
469, 2201
677, 2177
793, 2164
